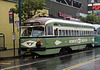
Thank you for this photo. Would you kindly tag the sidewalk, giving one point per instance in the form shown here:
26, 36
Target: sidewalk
8, 53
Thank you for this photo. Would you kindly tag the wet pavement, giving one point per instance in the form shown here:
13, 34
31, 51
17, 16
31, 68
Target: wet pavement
84, 60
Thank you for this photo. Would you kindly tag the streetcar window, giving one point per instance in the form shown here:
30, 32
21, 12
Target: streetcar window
37, 31
79, 33
69, 32
27, 32
66, 32
72, 33
98, 32
75, 33
49, 30
59, 32
63, 32
56, 31
82, 33
55, 24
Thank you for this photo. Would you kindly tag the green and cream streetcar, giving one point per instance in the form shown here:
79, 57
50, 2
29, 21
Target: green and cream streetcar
45, 36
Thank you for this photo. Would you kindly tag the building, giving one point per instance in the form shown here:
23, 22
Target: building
66, 8
95, 1
56, 8
5, 27
94, 7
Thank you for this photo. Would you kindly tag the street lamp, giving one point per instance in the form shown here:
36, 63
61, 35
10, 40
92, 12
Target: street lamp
92, 1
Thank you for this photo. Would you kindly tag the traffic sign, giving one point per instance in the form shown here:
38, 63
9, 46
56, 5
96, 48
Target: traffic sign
11, 17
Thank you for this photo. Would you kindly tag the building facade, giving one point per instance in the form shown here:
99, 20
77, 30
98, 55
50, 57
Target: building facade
5, 27
66, 8
94, 7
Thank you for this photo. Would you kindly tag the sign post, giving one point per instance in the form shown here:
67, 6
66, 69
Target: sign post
11, 20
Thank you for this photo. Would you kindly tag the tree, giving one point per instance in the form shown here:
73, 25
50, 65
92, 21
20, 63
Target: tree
29, 8
90, 19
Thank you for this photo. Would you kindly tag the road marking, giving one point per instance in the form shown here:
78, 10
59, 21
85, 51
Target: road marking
5, 63
81, 64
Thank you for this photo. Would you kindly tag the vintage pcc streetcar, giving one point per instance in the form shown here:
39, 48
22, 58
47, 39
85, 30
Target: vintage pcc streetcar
45, 36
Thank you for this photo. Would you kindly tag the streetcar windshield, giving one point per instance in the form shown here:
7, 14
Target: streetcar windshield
33, 31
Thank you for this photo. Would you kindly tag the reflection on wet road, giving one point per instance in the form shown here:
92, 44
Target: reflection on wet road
86, 60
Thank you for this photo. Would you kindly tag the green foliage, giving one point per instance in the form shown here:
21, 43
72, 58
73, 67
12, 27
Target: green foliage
90, 19
29, 8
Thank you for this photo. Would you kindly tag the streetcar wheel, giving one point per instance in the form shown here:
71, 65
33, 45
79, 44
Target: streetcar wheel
34, 55
65, 50
88, 46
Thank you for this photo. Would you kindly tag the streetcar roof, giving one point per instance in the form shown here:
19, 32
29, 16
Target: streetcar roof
96, 26
46, 20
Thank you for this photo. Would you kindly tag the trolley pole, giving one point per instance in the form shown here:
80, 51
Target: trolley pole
19, 51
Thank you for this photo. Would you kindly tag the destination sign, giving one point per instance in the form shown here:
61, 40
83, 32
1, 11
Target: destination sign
31, 24
72, 3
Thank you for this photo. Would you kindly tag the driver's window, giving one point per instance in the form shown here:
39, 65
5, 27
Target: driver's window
37, 31
27, 32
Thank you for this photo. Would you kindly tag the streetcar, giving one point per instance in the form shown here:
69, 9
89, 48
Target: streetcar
44, 36
97, 35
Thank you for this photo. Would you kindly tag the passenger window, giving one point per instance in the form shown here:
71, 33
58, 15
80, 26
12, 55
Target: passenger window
69, 32
72, 32
56, 32
63, 32
98, 32
59, 32
77, 32
66, 32
49, 30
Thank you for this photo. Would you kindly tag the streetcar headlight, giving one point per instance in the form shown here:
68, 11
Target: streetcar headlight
29, 43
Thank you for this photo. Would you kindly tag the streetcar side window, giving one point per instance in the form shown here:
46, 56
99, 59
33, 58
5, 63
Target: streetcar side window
49, 30
98, 32
63, 32
59, 32
56, 32
66, 32
69, 32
